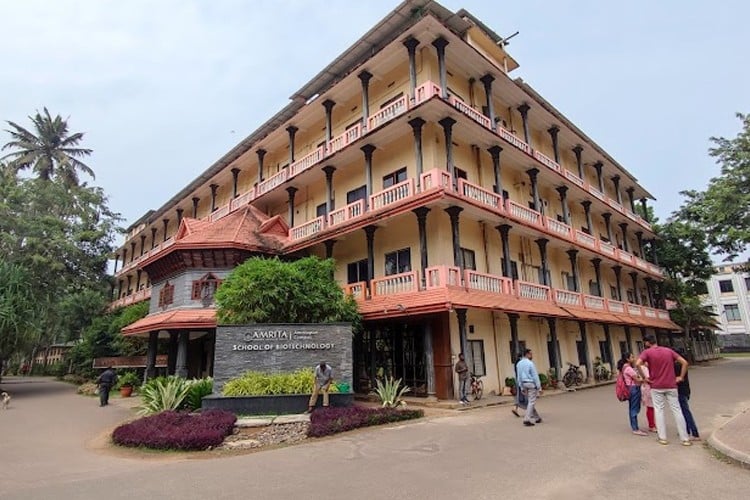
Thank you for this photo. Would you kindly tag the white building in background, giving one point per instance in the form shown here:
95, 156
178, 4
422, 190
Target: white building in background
729, 295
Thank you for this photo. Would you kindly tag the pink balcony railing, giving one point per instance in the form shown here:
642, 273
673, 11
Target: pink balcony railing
523, 214
585, 239
648, 312
356, 290
616, 306
480, 195
532, 291
513, 140
470, 112
349, 212
547, 162
243, 199
307, 229
626, 257
614, 204
596, 193
641, 263
559, 228
655, 269
425, 91
574, 178
219, 213
389, 112
488, 282
634, 309
306, 161
396, 283
663, 314
436, 178
594, 302
272, 182
568, 298
630, 215
343, 140
607, 249
392, 195
442, 276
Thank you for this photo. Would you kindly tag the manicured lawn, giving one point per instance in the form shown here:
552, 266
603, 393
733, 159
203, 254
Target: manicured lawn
736, 355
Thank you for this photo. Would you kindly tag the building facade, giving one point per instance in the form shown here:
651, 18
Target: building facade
464, 212
729, 297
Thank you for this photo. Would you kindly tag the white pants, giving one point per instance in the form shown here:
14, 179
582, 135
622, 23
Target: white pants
660, 397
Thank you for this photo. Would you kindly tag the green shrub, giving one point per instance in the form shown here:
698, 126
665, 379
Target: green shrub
543, 380
87, 389
162, 394
390, 393
128, 378
199, 388
253, 383
510, 381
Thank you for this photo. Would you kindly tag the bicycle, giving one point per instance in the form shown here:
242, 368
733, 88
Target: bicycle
477, 387
574, 375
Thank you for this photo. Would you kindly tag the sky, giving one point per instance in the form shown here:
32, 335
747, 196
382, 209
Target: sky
163, 89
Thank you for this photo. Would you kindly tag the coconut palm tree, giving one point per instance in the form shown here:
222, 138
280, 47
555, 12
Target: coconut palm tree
51, 153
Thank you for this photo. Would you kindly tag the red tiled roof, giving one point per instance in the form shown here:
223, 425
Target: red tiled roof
247, 227
172, 320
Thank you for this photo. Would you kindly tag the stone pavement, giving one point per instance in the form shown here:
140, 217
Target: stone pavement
733, 438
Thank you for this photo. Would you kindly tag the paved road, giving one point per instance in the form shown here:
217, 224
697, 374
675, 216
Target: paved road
583, 450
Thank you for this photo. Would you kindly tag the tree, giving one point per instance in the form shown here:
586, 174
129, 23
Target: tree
51, 152
271, 291
722, 211
16, 308
682, 249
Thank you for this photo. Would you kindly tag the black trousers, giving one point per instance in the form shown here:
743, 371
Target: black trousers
104, 394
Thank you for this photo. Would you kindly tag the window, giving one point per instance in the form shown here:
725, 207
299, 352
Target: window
356, 194
593, 288
581, 348
726, 286
521, 349
166, 295
356, 271
604, 352
623, 347
733, 312
320, 210
513, 268
460, 173
398, 262
478, 368
570, 282
469, 259
394, 178
205, 288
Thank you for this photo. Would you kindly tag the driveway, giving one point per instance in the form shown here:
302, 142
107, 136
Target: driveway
583, 449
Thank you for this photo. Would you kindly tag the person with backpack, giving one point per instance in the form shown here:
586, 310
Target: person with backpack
631, 381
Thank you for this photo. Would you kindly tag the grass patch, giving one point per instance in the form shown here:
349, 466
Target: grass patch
735, 355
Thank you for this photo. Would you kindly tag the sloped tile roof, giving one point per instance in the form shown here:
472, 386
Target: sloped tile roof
173, 320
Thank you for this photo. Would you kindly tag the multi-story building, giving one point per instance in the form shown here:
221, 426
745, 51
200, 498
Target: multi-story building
464, 211
729, 296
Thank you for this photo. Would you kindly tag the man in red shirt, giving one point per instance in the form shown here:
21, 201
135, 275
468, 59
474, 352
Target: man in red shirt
661, 362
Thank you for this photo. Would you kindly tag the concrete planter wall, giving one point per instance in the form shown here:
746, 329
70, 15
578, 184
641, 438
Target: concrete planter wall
282, 404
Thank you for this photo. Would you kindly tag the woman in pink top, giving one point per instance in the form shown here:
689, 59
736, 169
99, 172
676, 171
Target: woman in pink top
633, 382
646, 399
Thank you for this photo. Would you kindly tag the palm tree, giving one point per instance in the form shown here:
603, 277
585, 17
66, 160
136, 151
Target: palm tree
51, 153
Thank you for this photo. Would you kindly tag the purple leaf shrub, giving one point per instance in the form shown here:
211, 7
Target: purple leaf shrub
327, 421
171, 430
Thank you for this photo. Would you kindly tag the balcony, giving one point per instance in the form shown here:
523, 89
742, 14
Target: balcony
343, 140
559, 228
219, 212
487, 199
394, 194
133, 298
395, 284
532, 291
586, 239
488, 283
388, 113
568, 298
597, 194
524, 214
242, 200
547, 162
470, 112
347, 213
608, 249
306, 161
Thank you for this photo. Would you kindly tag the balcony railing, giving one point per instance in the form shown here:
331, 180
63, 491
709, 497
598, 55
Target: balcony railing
436, 178
425, 92
616, 306
243, 199
394, 284
442, 276
481, 195
568, 298
488, 282
470, 112
585, 239
559, 228
616, 205
515, 141
634, 310
272, 182
626, 257
524, 214
574, 179
306, 161
596, 193
341, 141
391, 195
663, 314
389, 112
219, 213
532, 291
307, 229
594, 302
349, 212
547, 162
608, 249
648, 312
356, 290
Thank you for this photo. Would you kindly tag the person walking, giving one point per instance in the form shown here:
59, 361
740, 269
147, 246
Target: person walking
528, 382
647, 400
520, 397
463, 379
321, 384
661, 361
632, 382
683, 396
106, 380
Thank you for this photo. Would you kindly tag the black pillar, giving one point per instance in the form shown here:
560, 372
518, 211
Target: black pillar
607, 217
563, 191
542, 243
639, 239
458, 258
586, 353
533, 172
573, 256
182, 354
628, 339
461, 317
138, 274
624, 229
504, 229
618, 283
447, 124
650, 292
290, 214
153, 237
179, 211
579, 161
616, 182
608, 339
600, 180
329, 248
587, 210
292, 131
495, 153
553, 131
166, 226
364, 77
513, 319
487, 82
524, 110
119, 288
124, 256
261, 155
214, 189
411, 45
631, 198
143, 244
429, 359
597, 262
556, 362
634, 277
416, 126
421, 214
196, 200
368, 149
235, 179
153, 339
644, 209
328, 105
329, 170
172, 353
370, 234
440, 43
132, 249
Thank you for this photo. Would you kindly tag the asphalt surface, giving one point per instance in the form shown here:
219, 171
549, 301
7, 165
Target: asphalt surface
53, 445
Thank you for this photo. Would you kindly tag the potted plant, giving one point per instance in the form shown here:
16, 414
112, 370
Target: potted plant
543, 380
510, 383
552, 375
127, 381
